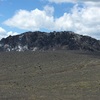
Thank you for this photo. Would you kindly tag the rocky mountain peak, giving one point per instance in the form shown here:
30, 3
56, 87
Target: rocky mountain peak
64, 40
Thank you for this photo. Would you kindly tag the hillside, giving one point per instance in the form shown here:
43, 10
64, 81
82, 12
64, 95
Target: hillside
49, 75
41, 41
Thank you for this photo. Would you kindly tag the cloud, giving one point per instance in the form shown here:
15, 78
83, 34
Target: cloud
89, 0
49, 10
2, 30
32, 20
62, 1
72, 1
4, 33
84, 2
96, 4
85, 20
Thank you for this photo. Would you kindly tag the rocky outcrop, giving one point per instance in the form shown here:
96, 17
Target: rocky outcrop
65, 40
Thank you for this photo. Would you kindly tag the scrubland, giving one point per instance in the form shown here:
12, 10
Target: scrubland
50, 75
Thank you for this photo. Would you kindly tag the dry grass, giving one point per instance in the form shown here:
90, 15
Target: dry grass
57, 75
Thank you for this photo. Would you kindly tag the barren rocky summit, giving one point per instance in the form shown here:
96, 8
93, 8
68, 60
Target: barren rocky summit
41, 41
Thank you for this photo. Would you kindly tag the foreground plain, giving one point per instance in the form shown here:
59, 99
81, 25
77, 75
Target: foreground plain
56, 75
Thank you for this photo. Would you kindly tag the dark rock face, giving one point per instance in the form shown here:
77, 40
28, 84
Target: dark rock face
33, 41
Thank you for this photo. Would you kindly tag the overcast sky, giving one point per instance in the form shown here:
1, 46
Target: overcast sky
79, 16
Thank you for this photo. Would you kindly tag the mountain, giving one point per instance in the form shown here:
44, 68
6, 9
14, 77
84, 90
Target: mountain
64, 40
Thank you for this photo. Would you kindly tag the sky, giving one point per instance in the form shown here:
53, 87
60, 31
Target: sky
79, 16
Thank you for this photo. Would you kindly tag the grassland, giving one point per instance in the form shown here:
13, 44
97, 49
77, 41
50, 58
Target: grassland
56, 75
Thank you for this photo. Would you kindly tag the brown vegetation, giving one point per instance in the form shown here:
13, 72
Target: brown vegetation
56, 75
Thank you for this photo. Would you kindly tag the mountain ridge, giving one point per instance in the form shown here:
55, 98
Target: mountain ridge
40, 41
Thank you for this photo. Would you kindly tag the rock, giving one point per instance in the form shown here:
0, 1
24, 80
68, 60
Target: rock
34, 41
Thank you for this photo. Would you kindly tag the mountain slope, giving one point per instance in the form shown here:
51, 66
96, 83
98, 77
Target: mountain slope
65, 40
57, 75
